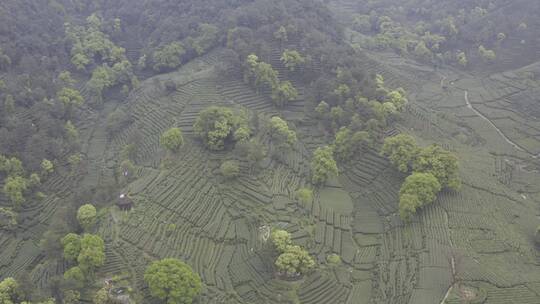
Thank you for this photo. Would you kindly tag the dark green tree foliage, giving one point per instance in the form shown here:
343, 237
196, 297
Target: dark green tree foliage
76, 276
419, 189
440, 163
217, 126
347, 144
292, 59
86, 215
168, 56
323, 165
90, 42
72, 246
11, 166
280, 133
293, 260
262, 76
304, 196
172, 139
173, 281
92, 254
230, 169
206, 37
15, 188
8, 219
401, 150
10, 292
284, 93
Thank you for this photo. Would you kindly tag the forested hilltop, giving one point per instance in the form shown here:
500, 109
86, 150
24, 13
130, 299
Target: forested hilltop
268, 151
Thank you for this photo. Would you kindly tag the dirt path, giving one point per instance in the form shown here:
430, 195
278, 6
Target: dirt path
453, 264
469, 105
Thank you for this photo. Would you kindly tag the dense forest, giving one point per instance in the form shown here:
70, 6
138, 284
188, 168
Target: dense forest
269, 151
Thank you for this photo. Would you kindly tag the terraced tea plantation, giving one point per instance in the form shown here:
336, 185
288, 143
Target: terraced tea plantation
475, 245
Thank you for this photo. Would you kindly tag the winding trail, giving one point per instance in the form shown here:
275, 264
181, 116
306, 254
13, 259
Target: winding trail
469, 105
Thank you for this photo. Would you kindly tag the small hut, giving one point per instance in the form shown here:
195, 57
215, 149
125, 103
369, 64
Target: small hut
124, 202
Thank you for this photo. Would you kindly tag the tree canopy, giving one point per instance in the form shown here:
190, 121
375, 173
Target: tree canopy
217, 126
294, 261
323, 165
280, 133
86, 215
168, 56
173, 281
172, 139
401, 150
419, 189
440, 163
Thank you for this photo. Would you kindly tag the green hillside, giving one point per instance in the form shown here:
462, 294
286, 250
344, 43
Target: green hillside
200, 130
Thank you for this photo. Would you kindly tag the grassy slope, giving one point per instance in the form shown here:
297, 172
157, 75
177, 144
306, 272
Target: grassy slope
490, 222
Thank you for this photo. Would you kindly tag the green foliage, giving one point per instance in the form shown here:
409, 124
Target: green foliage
117, 120
72, 134
217, 125
419, 189
292, 59
72, 246
70, 97
304, 195
76, 276
34, 180
422, 52
172, 139
92, 254
103, 77
8, 219
169, 56
401, 150
90, 43
173, 281
74, 160
280, 133
361, 23
9, 291
347, 144
462, 59
47, 167
283, 93
11, 166
440, 163
230, 169
408, 203
14, 188
71, 297
263, 73
281, 34
255, 151
294, 261
323, 165
65, 77
206, 38
488, 55
101, 296
281, 239
333, 259
322, 109
397, 98
86, 215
